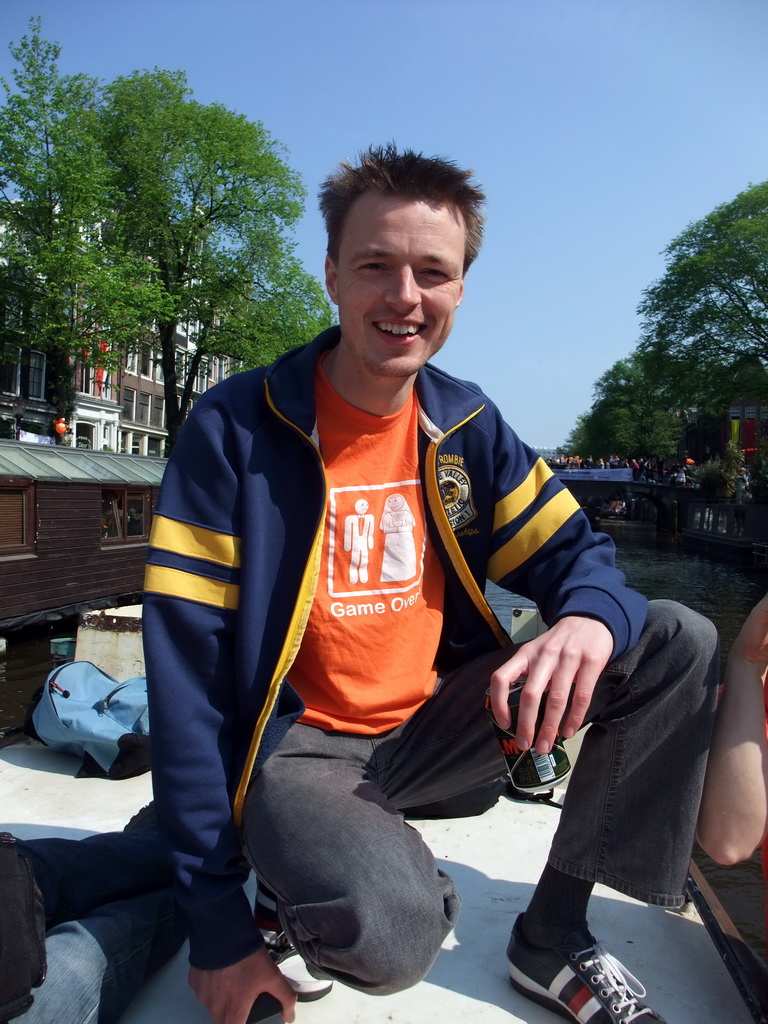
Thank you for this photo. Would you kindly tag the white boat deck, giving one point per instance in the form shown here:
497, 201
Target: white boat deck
495, 860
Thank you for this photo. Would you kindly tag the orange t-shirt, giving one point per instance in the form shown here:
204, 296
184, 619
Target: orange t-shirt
366, 660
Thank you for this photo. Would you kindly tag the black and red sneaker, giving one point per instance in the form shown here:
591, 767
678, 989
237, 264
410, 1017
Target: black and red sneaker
579, 980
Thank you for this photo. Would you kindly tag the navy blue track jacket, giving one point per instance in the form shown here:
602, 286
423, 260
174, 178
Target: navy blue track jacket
232, 570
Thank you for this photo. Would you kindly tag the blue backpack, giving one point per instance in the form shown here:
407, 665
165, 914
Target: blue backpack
82, 710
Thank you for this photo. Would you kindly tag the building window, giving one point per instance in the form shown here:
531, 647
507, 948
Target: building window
154, 446
220, 373
15, 526
84, 379
146, 365
144, 400
201, 380
124, 514
36, 374
83, 435
158, 408
129, 404
181, 363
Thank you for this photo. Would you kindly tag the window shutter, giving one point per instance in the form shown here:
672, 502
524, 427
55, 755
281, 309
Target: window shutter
12, 519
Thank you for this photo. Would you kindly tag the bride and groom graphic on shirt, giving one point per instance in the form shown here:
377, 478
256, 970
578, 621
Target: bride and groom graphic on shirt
397, 525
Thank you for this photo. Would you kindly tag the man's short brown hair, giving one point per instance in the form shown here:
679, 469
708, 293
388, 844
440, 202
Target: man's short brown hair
408, 175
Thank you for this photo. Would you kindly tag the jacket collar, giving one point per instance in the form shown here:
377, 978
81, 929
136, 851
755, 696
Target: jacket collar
445, 400
291, 379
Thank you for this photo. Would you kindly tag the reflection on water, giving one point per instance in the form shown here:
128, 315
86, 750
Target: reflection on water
725, 594
24, 667
660, 569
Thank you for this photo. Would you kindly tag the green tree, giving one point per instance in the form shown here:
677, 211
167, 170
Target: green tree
62, 286
717, 477
629, 414
206, 199
709, 312
580, 438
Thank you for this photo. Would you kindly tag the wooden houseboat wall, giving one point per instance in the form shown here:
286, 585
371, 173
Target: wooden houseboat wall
74, 527
726, 529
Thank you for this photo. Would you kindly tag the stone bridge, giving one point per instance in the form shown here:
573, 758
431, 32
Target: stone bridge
663, 504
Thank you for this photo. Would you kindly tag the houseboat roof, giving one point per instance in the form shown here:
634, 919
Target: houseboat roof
62, 464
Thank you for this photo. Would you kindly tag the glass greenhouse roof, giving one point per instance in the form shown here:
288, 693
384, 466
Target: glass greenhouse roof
60, 463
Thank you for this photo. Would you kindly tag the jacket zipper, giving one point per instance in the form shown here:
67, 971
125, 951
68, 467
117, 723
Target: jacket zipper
296, 628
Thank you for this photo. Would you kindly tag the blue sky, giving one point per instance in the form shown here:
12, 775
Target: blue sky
598, 128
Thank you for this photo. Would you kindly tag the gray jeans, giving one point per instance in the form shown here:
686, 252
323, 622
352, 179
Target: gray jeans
360, 894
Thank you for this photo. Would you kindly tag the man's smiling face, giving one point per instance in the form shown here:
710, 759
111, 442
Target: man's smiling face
397, 282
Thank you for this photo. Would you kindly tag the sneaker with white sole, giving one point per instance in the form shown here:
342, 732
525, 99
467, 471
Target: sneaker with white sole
579, 980
294, 969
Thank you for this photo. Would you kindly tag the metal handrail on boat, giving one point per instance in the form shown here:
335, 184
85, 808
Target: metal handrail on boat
749, 974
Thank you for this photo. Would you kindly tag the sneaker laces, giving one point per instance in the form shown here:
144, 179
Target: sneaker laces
614, 977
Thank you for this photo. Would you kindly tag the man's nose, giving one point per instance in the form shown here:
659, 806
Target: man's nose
403, 292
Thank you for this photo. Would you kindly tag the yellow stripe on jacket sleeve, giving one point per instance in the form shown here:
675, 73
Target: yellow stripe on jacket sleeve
191, 587
523, 496
195, 541
536, 532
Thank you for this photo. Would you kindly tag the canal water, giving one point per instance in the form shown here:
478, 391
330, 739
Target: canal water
656, 567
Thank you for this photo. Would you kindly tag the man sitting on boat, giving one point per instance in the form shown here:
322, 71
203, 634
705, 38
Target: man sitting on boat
299, 706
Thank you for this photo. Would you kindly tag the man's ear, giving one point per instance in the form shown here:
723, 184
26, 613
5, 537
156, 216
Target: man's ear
461, 294
331, 275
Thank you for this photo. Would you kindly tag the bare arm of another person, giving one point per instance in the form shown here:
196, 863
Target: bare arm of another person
566, 661
230, 992
733, 818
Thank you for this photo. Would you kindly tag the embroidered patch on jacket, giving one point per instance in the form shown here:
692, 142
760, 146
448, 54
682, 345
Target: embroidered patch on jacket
456, 492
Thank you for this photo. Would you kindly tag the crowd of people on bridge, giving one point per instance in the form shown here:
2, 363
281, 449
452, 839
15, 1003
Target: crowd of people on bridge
644, 469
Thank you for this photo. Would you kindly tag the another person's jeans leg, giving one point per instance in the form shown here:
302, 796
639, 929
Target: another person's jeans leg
111, 922
97, 964
76, 875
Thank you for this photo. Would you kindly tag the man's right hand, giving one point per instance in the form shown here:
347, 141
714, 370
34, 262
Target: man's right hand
230, 992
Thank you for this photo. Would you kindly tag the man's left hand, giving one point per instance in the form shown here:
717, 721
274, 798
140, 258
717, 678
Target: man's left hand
565, 662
